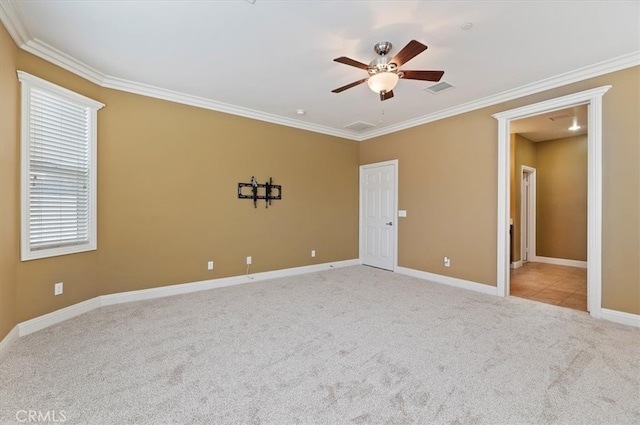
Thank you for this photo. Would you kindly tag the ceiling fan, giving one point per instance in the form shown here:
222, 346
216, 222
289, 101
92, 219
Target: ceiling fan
384, 73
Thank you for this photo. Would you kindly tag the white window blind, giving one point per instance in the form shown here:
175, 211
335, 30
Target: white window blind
58, 170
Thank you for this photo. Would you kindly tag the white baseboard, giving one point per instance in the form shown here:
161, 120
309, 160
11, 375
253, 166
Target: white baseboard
46, 320
186, 288
167, 291
451, 281
41, 322
620, 317
516, 264
74, 310
560, 262
8, 341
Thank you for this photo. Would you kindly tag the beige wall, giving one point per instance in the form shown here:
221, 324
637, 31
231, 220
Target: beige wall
9, 127
561, 216
524, 154
167, 204
447, 183
168, 194
167, 183
448, 179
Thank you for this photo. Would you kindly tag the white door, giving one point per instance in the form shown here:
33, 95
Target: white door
528, 214
526, 219
377, 215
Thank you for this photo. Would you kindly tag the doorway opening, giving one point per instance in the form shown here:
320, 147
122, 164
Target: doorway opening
593, 99
551, 255
553, 145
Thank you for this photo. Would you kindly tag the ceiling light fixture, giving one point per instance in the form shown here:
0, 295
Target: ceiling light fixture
383, 82
575, 126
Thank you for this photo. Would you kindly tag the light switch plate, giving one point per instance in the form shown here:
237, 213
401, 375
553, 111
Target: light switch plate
402, 213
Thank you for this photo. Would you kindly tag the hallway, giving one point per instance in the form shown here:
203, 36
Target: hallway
551, 284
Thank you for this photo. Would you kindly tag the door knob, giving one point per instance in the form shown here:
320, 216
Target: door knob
389, 223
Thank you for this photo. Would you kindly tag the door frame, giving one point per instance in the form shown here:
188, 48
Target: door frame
592, 98
530, 229
393, 162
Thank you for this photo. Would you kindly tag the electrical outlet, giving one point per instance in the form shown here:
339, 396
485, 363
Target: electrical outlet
210, 265
313, 252
57, 288
447, 262
248, 260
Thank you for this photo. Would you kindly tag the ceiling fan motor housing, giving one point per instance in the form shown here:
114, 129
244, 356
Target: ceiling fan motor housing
382, 48
381, 64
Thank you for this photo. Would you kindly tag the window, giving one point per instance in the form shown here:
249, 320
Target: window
58, 151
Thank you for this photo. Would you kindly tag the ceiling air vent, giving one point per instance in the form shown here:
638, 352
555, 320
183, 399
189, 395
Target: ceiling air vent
561, 117
359, 126
439, 87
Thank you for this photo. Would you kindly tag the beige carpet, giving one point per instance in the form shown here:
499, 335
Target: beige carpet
355, 345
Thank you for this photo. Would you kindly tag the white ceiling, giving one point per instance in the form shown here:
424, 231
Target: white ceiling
552, 125
268, 59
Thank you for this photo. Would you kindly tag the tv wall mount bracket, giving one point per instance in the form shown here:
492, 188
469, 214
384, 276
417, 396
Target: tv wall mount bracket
260, 191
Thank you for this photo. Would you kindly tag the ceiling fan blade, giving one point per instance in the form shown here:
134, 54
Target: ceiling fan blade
423, 75
408, 52
348, 86
387, 95
347, 61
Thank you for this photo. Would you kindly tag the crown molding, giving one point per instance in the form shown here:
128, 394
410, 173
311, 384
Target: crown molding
201, 102
12, 19
57, 57
595, 70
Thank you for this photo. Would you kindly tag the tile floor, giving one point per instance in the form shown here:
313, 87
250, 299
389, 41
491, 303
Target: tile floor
551, 284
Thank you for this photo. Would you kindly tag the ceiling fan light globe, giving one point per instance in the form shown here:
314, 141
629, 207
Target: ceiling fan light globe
383, 81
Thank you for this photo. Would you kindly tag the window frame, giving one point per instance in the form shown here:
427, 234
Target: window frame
28, 82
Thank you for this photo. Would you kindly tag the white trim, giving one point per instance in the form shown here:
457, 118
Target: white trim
57, 57
74, 310
580, 98
531, 214
503, 239
201, 102
395, 164
559, 261
31, 80
46, 320
167, 291
8, 341
186, 288
50, 54
14, 22
516, 264
594, 204
28, 82
621, 317
605, 67
448, 280
593, 98
58, 316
